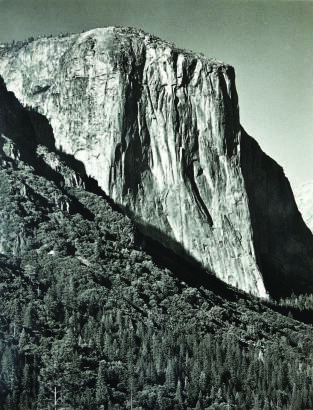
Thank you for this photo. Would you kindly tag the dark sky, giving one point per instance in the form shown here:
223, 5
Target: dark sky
270, 44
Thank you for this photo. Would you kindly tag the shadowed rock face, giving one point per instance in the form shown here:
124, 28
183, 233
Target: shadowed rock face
282, 241
158, 128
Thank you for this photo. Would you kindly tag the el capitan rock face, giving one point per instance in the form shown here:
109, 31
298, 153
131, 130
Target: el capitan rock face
158, 129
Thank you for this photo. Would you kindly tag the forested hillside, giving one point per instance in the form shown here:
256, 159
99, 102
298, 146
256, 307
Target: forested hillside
94, 316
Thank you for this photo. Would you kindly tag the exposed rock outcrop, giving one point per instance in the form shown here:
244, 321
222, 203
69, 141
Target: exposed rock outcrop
158, 129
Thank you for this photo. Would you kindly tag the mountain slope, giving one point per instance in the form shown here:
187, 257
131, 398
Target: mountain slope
90, 320
94, 315
158, 129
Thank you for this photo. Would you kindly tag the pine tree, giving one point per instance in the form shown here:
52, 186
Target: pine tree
26, 380
131, 377
99, 337
28, 316
170, 374
198, 405
23, 339
102, 395
178, 394
203, 381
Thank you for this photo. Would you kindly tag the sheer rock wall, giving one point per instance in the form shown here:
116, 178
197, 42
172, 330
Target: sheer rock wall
159, 130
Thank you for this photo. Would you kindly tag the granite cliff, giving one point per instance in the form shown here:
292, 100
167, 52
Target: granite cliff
158, 129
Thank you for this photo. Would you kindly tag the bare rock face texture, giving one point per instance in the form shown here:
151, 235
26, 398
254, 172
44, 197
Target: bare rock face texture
158, 129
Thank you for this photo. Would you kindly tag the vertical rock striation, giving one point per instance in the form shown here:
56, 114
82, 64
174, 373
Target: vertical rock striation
159, 130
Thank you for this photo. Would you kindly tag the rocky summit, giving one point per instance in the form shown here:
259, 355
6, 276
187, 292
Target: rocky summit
157, 129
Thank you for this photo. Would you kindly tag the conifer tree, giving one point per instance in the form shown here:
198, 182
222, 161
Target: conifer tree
178, 394
102, 395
